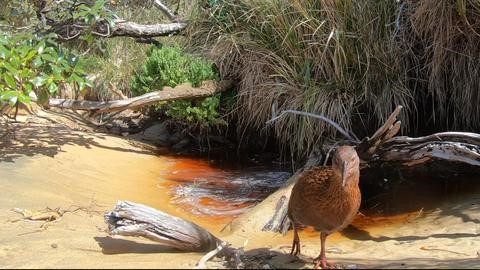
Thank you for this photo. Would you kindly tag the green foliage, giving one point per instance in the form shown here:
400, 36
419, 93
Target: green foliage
170, 66
205, 112
29, 63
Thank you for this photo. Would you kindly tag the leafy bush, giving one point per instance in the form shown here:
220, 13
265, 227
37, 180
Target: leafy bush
29, 63
170, 66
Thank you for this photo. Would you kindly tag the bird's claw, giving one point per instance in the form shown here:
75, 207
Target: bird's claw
322, 262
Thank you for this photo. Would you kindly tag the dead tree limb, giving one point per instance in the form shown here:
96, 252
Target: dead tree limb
61, 18
132, 219
166, 10
182, 91
383, 147
132, 29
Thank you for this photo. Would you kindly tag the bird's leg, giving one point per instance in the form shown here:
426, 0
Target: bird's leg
321, 260
296, 241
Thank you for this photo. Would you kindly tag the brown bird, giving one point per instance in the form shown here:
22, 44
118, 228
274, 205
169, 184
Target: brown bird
326, 198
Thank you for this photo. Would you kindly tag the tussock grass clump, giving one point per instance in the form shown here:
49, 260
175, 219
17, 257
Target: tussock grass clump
335, 58
443, 37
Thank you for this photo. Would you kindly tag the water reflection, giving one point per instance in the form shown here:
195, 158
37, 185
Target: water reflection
203, 189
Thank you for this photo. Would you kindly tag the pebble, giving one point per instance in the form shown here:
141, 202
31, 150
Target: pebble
54, 245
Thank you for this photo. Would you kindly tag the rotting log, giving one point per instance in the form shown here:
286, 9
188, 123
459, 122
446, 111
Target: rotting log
182, 91
133, 219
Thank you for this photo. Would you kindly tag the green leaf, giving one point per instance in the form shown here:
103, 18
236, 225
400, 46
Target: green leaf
15, 61
4, 52
30, 55
10, 81
24, 99
52, 88
40, 47
27, 88
13, 100
25, 73
48, 57
10, 68
23, 50
37, 62
6, 95
39, 81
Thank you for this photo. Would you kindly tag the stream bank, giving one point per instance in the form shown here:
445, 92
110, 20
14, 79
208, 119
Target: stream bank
51, 165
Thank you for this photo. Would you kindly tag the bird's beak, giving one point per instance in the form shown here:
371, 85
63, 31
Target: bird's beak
344, 173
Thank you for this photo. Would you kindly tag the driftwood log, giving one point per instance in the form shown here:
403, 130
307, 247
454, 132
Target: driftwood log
133, 219
182, 91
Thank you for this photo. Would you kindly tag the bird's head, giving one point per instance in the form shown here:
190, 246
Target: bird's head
346, 162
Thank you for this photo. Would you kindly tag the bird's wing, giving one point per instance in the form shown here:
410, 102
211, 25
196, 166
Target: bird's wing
313, 183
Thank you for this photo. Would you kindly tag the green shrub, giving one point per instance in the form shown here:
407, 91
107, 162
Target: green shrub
170, 66
29, 63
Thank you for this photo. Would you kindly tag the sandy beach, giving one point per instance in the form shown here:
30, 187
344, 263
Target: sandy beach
86, 173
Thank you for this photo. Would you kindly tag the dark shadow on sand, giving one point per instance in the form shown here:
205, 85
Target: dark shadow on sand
111, 245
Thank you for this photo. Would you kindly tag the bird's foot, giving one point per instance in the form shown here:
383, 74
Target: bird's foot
322, 262
295, 248
295, 245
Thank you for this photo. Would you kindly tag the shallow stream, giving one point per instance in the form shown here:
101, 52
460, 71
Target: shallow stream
219, 190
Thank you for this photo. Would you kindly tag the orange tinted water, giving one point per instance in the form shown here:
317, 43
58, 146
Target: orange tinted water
217, 194
203, 189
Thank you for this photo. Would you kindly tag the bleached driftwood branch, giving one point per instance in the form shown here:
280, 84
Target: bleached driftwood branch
133, 219
384, 147
182, 91
169, 13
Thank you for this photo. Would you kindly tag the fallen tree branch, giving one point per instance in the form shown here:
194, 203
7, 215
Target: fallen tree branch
335, 125
132, 219
132, 29
409, 154
210, 255
166, 10
182, 91
383, 147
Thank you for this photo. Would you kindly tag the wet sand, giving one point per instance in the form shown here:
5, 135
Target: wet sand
57, 167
